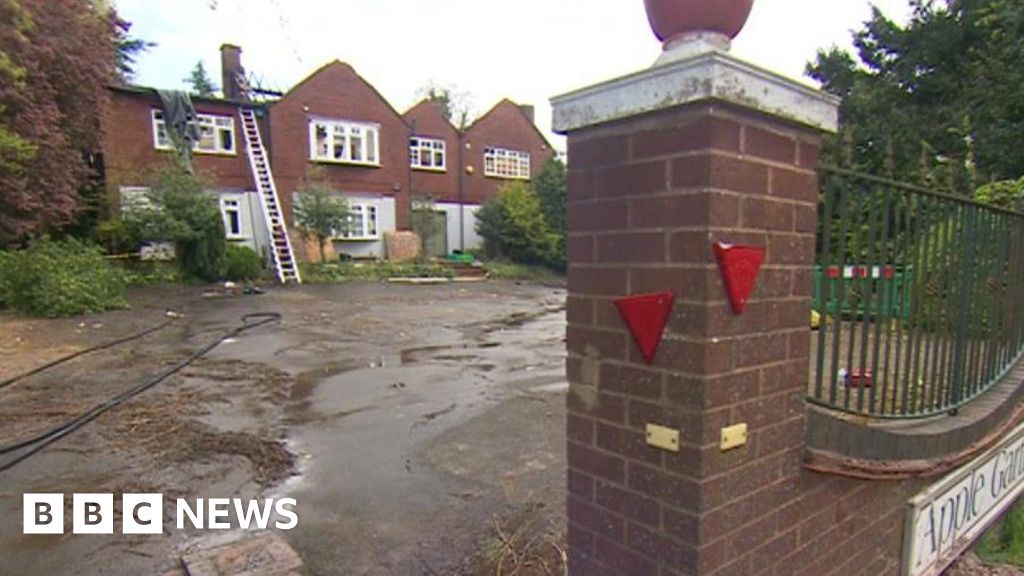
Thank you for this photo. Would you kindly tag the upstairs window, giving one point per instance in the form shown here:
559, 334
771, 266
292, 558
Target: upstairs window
501, 163
344, 142
362, 222
427, 153
216, 134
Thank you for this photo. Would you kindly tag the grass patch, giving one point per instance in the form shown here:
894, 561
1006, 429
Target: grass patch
150, 273
528, 273
1004, 542
376, 271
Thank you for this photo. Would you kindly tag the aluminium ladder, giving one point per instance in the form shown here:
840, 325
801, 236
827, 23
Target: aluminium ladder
281, 245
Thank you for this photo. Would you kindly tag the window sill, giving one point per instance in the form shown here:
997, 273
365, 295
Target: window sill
510, 178
358, 239
345, 163
200, 152
425, 169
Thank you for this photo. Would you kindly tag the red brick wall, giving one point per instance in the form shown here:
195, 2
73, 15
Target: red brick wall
504, 126
647, 198
130, 156
430, 122
336, 91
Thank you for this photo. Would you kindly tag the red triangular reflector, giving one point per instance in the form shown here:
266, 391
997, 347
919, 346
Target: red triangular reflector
646, 316
740, 266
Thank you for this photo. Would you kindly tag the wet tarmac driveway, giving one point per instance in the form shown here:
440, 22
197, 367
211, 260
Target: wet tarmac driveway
407, 421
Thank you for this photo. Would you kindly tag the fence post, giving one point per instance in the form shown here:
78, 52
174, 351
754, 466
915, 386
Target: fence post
663, 164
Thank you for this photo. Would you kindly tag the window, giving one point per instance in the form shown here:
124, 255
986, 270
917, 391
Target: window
502, 163
231, 211
344, 142
134, 199
362, 222
426, 153
216, 133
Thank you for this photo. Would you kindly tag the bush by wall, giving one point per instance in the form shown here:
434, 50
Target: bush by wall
242, 263
513, 227
180, 210
60, 279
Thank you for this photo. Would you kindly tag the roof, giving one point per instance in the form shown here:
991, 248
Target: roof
149, 91
432, 107
507, 102
348, 68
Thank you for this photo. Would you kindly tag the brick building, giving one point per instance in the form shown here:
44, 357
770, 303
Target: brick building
336, 128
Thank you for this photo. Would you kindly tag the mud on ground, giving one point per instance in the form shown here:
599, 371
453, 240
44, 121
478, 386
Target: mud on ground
420, 428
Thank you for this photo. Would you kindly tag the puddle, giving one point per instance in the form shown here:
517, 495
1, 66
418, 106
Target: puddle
557, 387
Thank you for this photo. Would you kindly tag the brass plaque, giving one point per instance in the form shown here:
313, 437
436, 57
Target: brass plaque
662, 437
734, 437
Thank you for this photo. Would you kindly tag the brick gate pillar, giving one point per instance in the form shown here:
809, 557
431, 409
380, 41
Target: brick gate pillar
662, 164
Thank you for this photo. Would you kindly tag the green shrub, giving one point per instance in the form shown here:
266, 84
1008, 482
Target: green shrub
115, 236
513, 227
1005, 194
60, 279
242, 263
181, 210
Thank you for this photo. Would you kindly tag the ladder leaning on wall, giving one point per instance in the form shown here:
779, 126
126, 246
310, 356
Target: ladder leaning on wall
285, 267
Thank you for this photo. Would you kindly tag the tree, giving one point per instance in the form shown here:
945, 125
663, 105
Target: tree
513, 226
181, 210
56, 59
936, 101
200, 81
128, 49
321, 214
457, 105
550, 186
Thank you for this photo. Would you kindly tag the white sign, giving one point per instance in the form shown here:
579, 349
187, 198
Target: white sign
947, 517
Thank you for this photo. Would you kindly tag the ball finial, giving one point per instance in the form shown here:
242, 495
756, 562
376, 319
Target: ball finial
674, 21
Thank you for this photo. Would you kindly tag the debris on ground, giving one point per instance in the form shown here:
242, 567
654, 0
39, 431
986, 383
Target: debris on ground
971, 565
267, 555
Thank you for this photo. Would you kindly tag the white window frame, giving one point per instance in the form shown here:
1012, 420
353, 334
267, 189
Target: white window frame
365, 135
206, 123
434, 148
367, 216
508, 164
134, 198
233, 203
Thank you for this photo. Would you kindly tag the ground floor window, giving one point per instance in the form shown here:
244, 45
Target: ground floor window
362, 222
231, 211
134, 199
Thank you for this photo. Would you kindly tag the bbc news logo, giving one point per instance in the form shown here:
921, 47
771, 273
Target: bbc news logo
144, 513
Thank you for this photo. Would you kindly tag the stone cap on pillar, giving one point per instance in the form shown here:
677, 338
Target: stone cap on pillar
712, 75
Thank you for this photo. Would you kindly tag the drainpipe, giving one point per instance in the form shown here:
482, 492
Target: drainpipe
408, 167
462, 199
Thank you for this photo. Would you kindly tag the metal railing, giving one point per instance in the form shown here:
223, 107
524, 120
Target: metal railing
918, 294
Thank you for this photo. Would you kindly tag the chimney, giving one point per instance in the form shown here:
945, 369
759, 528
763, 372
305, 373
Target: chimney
231, 70
529, 111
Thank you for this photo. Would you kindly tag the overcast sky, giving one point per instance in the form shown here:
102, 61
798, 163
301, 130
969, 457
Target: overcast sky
526, 50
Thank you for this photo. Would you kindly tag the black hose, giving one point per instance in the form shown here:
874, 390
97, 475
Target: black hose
111, 344
37, 443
